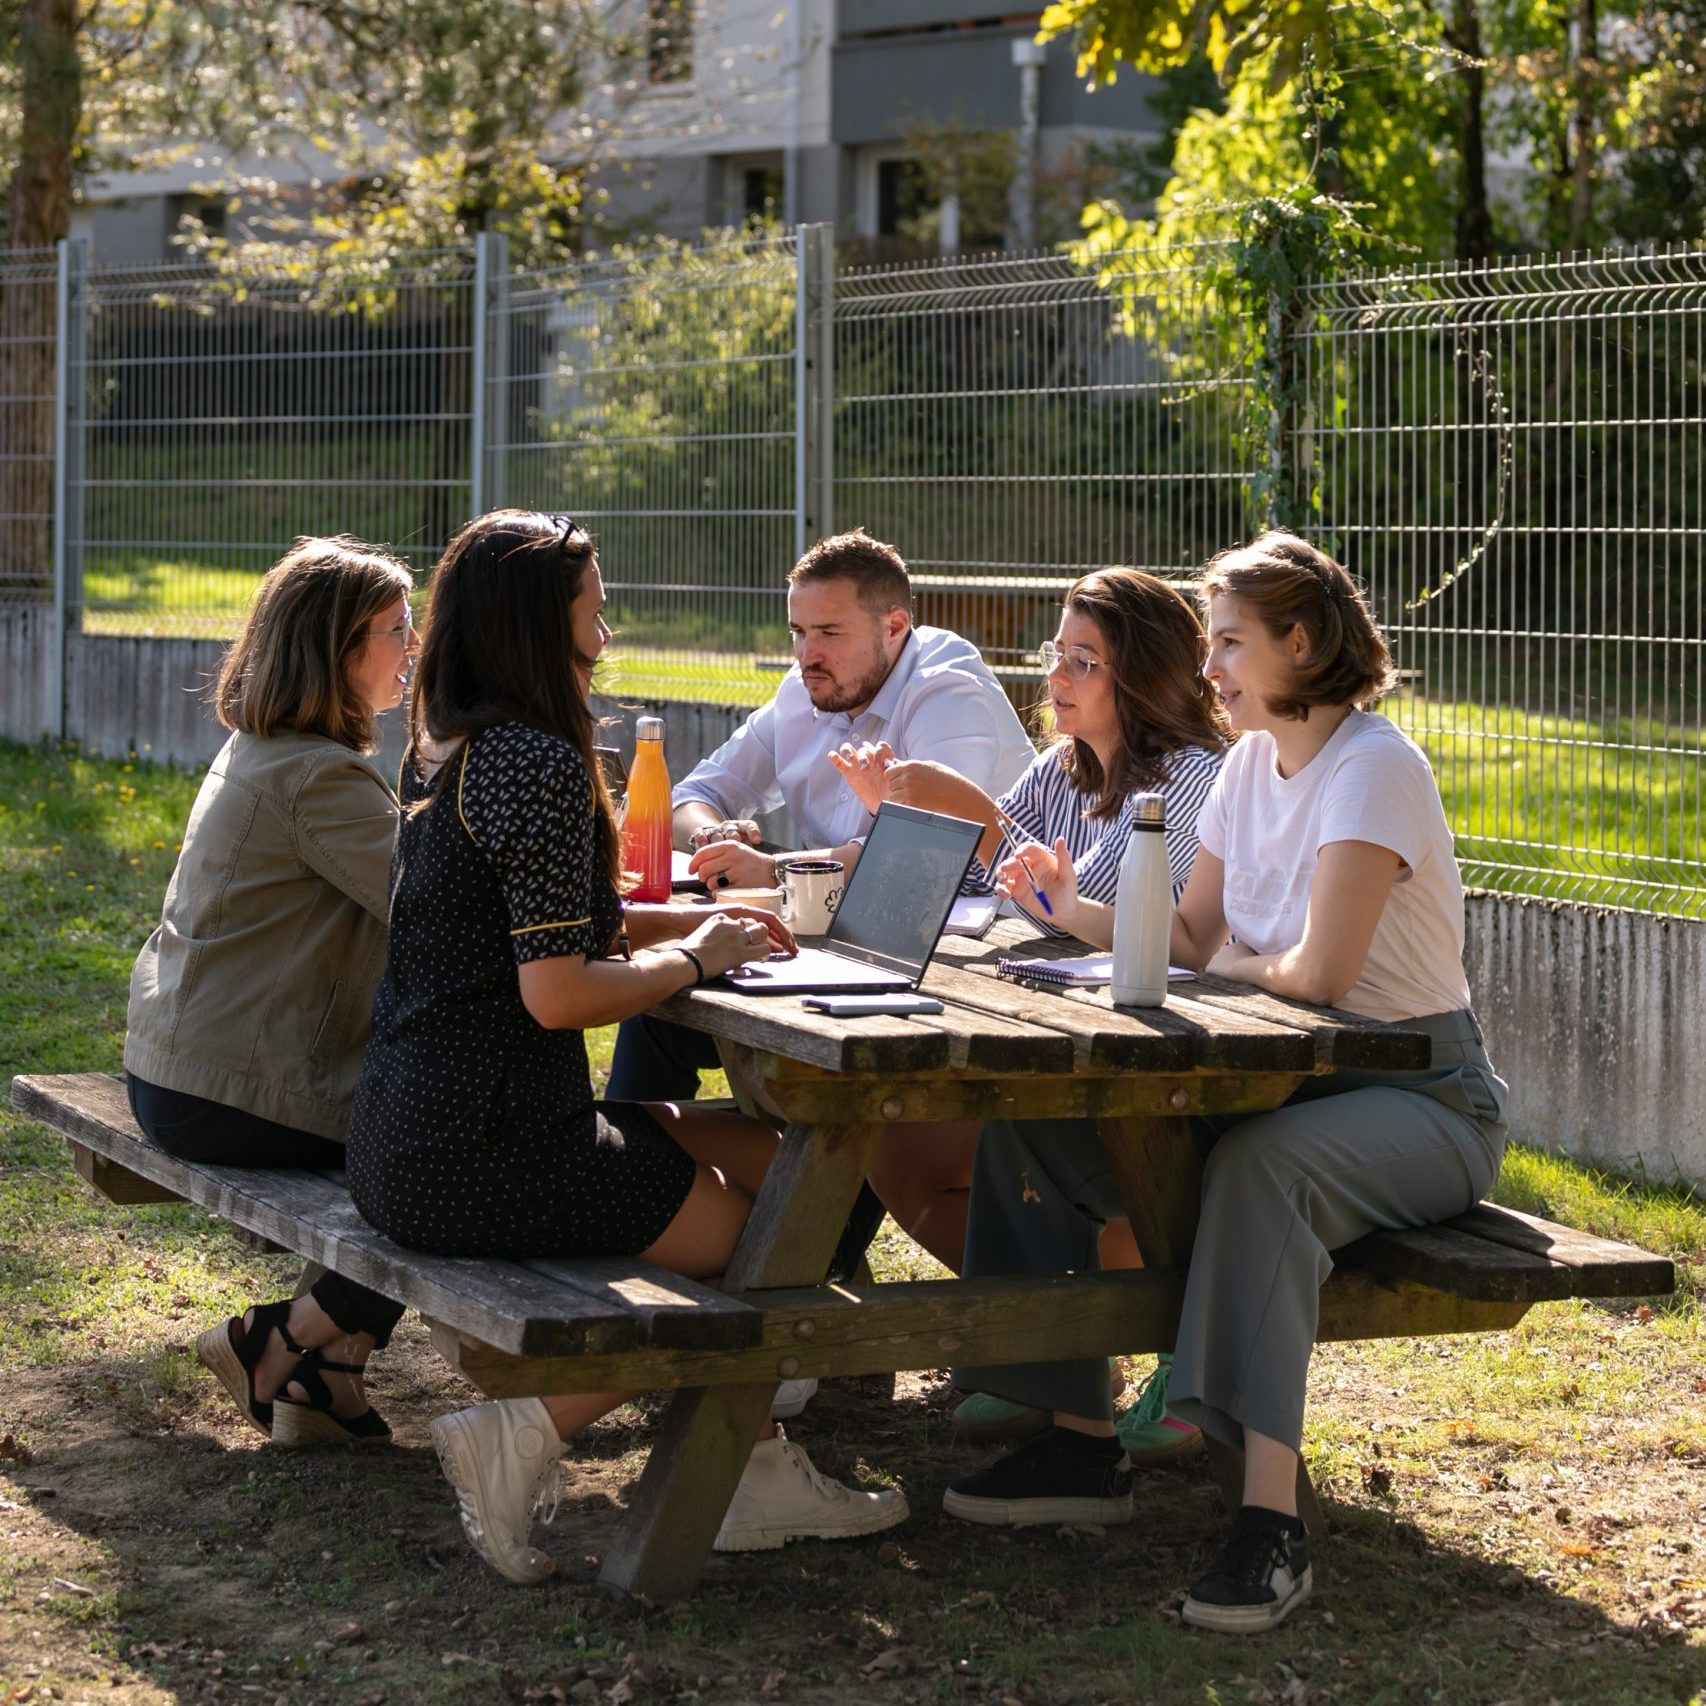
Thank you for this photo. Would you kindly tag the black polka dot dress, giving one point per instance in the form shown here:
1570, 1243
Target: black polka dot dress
475, 1131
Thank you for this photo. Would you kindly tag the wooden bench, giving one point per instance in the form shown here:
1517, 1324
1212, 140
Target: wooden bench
601, 1325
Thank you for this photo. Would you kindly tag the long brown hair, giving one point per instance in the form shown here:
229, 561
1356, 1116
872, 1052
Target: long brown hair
289, 667
499, 642
1156, 651
1288, 583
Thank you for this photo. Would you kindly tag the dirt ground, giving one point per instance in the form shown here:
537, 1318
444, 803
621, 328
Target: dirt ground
150, 1551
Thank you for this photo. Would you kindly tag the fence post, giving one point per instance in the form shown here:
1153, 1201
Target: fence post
814, 384
70, 325
487, 412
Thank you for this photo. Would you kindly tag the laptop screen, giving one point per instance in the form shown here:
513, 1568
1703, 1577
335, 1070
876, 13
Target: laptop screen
903, 886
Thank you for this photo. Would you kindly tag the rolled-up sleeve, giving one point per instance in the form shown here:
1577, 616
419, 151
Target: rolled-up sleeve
739, 778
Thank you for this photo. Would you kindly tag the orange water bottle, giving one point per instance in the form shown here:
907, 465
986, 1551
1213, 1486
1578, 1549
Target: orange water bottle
646, 827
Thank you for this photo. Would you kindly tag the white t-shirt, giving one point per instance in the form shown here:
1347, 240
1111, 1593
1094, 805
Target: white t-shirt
1370, 782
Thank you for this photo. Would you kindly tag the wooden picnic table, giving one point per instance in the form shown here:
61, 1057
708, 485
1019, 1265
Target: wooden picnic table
999, 1049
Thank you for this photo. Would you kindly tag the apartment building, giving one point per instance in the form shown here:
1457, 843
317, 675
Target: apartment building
807, 110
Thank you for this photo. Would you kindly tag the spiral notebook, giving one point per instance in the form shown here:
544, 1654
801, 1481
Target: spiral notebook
1083, 973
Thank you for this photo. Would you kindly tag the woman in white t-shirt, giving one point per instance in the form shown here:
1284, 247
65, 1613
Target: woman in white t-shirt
1325, 873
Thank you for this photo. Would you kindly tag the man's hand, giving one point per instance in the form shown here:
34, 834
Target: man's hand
866, 768
741, 829
733, 864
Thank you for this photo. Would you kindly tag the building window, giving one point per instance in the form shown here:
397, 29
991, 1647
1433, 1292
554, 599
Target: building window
761, 193
212, 213
903, 196
669, 41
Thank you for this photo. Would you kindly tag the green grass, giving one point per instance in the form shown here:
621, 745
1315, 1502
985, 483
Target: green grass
1516, 1516
1601, 810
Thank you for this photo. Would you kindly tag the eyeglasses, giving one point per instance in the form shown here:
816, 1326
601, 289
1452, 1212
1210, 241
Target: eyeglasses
1076, 663
401, 631
566, 526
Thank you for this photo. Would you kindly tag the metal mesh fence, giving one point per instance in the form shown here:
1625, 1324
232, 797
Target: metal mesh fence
1014, 421
653, 397
28, 348
1513, 459
220, 417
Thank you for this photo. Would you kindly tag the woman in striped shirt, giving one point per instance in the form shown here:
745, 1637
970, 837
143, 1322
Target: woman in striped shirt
1130, 715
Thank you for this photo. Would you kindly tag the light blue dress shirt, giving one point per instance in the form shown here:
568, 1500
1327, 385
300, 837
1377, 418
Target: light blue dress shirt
939, 702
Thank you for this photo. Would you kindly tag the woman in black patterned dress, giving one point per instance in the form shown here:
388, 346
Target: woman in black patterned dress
475, 1130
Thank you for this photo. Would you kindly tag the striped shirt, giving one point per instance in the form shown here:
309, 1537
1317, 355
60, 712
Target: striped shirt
1044, 803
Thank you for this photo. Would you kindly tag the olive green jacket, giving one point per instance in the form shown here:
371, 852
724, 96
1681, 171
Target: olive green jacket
257, 988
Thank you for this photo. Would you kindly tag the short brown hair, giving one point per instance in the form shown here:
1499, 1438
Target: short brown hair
1287, 582
877, 570
1156, 651
289, 667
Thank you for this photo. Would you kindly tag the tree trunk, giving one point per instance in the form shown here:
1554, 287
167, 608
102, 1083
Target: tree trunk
38, 212
1474, 218
1583, 123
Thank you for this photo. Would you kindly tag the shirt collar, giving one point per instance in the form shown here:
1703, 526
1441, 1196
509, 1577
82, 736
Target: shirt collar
882, 708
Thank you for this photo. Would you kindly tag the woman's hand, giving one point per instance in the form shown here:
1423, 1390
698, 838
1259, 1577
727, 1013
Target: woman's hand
934, 787
1229, 961
781, 937
1035, 868
867, 769
726, 940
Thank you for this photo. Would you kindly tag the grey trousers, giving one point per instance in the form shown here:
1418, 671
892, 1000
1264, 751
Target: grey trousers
1348, 1153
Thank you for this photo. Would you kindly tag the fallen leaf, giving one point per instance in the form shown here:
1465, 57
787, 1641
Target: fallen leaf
889, 1659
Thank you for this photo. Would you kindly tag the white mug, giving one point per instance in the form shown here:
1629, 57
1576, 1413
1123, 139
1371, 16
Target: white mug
811, 890
769, 900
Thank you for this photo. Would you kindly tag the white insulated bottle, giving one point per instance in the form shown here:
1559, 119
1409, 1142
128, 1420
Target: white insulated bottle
1143, 908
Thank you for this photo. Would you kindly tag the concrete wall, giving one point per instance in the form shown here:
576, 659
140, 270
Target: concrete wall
1596, 1017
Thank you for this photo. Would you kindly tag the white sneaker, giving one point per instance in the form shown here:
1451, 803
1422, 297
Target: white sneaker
782, 1497
503, 1460
791, 1398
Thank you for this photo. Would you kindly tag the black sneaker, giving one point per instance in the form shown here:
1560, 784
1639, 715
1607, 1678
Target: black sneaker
1260, 1577
1056, 1476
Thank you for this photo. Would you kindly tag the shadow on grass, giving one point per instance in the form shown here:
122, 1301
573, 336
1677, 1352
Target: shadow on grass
336, 1577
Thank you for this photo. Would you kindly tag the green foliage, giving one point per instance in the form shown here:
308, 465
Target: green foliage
1158, 35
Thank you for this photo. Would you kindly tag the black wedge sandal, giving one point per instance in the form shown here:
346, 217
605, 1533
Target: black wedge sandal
232, 1353
298, 1422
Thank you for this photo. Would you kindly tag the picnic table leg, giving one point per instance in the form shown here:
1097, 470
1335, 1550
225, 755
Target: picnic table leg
1159, 1171
707, 1435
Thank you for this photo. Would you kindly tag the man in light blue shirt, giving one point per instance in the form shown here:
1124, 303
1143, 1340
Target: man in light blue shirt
862, 673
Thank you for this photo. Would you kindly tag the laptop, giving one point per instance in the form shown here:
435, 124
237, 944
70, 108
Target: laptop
890, 917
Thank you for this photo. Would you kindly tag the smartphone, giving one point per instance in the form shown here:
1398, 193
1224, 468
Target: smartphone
899, 1002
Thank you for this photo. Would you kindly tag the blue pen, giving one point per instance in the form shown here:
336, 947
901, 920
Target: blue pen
1013, 833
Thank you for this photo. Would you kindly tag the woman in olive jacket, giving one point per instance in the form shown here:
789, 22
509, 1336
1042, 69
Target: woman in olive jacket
250, 1003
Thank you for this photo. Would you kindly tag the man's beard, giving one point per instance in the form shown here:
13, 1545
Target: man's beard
828, 695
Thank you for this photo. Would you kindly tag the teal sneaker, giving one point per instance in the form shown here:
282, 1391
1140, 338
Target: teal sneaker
984, 1416
1148, 1432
